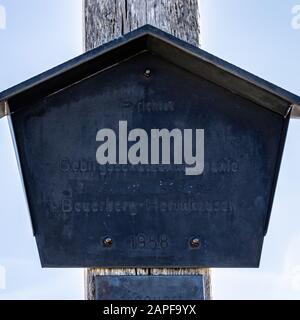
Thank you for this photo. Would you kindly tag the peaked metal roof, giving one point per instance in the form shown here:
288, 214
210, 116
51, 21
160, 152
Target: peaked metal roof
149, 38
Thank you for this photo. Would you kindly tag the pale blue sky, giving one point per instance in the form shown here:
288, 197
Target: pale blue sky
256, 35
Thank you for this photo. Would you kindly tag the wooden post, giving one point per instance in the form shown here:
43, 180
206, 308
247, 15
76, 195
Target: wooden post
105, 20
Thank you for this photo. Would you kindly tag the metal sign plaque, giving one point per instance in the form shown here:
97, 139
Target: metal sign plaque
149, 287
142, 154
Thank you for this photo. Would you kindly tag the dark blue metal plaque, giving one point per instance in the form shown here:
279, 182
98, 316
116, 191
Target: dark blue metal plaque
149, 207
149, 288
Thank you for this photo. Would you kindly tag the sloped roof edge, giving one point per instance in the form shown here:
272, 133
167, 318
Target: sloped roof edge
167, 46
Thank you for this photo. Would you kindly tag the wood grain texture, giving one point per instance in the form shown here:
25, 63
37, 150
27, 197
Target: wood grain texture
105, 20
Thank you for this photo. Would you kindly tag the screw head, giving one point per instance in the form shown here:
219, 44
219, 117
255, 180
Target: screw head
147, 73
195, 242
107, 242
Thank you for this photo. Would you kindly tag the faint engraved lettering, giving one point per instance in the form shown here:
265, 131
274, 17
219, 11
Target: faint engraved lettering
150, 107
110, 206
224, 166
89, 168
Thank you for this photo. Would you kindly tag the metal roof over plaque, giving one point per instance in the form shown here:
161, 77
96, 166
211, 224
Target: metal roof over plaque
150, 152
149, 38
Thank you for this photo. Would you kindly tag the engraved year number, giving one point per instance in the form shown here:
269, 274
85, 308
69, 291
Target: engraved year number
152, 241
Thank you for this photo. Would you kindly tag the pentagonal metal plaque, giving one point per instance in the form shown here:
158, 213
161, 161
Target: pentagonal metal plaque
148, 152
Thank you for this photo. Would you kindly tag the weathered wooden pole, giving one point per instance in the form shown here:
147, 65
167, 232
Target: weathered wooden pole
106, 20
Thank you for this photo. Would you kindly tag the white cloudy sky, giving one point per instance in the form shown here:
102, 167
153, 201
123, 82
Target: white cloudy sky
257, 35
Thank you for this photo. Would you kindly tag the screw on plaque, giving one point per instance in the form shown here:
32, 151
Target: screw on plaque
195, 242
147, 73
107, 242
